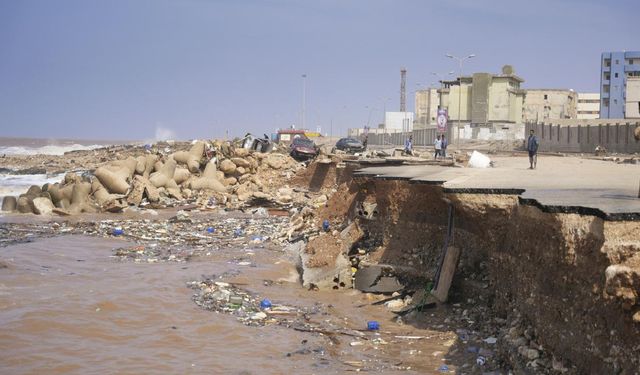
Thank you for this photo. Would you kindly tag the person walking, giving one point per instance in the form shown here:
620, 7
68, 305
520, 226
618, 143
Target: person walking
438, 146
532, 147
443, 151
408, 146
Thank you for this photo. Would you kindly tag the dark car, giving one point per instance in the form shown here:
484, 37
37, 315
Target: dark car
349, 145
303, 148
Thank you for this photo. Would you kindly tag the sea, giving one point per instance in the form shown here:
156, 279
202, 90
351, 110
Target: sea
16, 184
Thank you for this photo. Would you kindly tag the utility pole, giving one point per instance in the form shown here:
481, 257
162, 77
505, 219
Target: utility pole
403, 90
304, 100
460, 60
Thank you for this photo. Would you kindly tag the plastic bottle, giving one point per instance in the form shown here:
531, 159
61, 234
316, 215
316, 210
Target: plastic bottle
325, 225
265, 304
373, 325
117, 231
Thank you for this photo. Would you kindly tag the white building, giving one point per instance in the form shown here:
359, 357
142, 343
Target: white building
398, 121
632, 101
588, 105
427, 102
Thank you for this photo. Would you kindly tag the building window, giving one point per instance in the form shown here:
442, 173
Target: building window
617, 61
607, 76
545, 96
607, 63
615, 101
615, 75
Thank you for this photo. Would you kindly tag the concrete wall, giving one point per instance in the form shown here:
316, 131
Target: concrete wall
493, 132
585, 135
544, 104
421, 137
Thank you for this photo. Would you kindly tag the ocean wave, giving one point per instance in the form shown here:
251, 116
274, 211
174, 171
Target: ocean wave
19, 184
45, 150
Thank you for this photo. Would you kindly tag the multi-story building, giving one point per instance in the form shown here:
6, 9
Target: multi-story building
490, 104
544, 104
615, 69
588, 105
427, 102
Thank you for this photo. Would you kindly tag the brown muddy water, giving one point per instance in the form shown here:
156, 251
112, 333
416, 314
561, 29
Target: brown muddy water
67, 306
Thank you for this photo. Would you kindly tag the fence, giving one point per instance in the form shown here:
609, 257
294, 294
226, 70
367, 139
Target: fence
586, 136
421, 137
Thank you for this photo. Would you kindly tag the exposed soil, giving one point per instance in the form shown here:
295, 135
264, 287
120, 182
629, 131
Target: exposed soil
559, 291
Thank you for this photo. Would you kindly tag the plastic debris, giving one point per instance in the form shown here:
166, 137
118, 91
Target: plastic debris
265, 304
325, 225
479, 160
490, 340
373, 325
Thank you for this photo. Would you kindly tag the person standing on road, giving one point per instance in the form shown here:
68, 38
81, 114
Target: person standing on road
443, 151
408, 146
438, 146
532, 147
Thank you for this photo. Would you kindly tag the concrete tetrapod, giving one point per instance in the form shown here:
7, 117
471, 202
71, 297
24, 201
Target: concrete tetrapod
208, 180
42, 206
114, 182
80, 198
61, 195
100, 194
163, 175
9, 203
192, 157
181, 175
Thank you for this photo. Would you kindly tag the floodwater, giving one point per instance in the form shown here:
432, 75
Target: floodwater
68, 307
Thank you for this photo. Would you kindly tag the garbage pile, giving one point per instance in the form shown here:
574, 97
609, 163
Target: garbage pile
211, 173
249, 309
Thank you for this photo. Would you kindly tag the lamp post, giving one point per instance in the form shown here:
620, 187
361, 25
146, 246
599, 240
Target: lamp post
304, 99
460, 60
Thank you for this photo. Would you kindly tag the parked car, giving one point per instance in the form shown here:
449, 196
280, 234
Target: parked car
349, 145
303, 148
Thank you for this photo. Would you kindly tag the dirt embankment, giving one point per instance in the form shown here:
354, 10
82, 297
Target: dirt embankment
564, 287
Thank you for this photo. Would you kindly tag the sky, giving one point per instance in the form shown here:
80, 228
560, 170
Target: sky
145, 69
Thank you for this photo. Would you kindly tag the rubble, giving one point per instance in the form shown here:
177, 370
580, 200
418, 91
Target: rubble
207, 169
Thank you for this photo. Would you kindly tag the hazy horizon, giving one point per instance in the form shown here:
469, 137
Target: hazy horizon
194, 69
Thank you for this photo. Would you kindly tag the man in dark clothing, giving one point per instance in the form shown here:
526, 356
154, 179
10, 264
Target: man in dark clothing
443, 152
532, 147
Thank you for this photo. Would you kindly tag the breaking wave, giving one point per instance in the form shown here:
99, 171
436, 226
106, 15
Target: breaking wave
45, 150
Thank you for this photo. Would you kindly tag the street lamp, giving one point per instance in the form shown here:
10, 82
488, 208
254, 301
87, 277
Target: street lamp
460, 60
304, 99
441, 77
